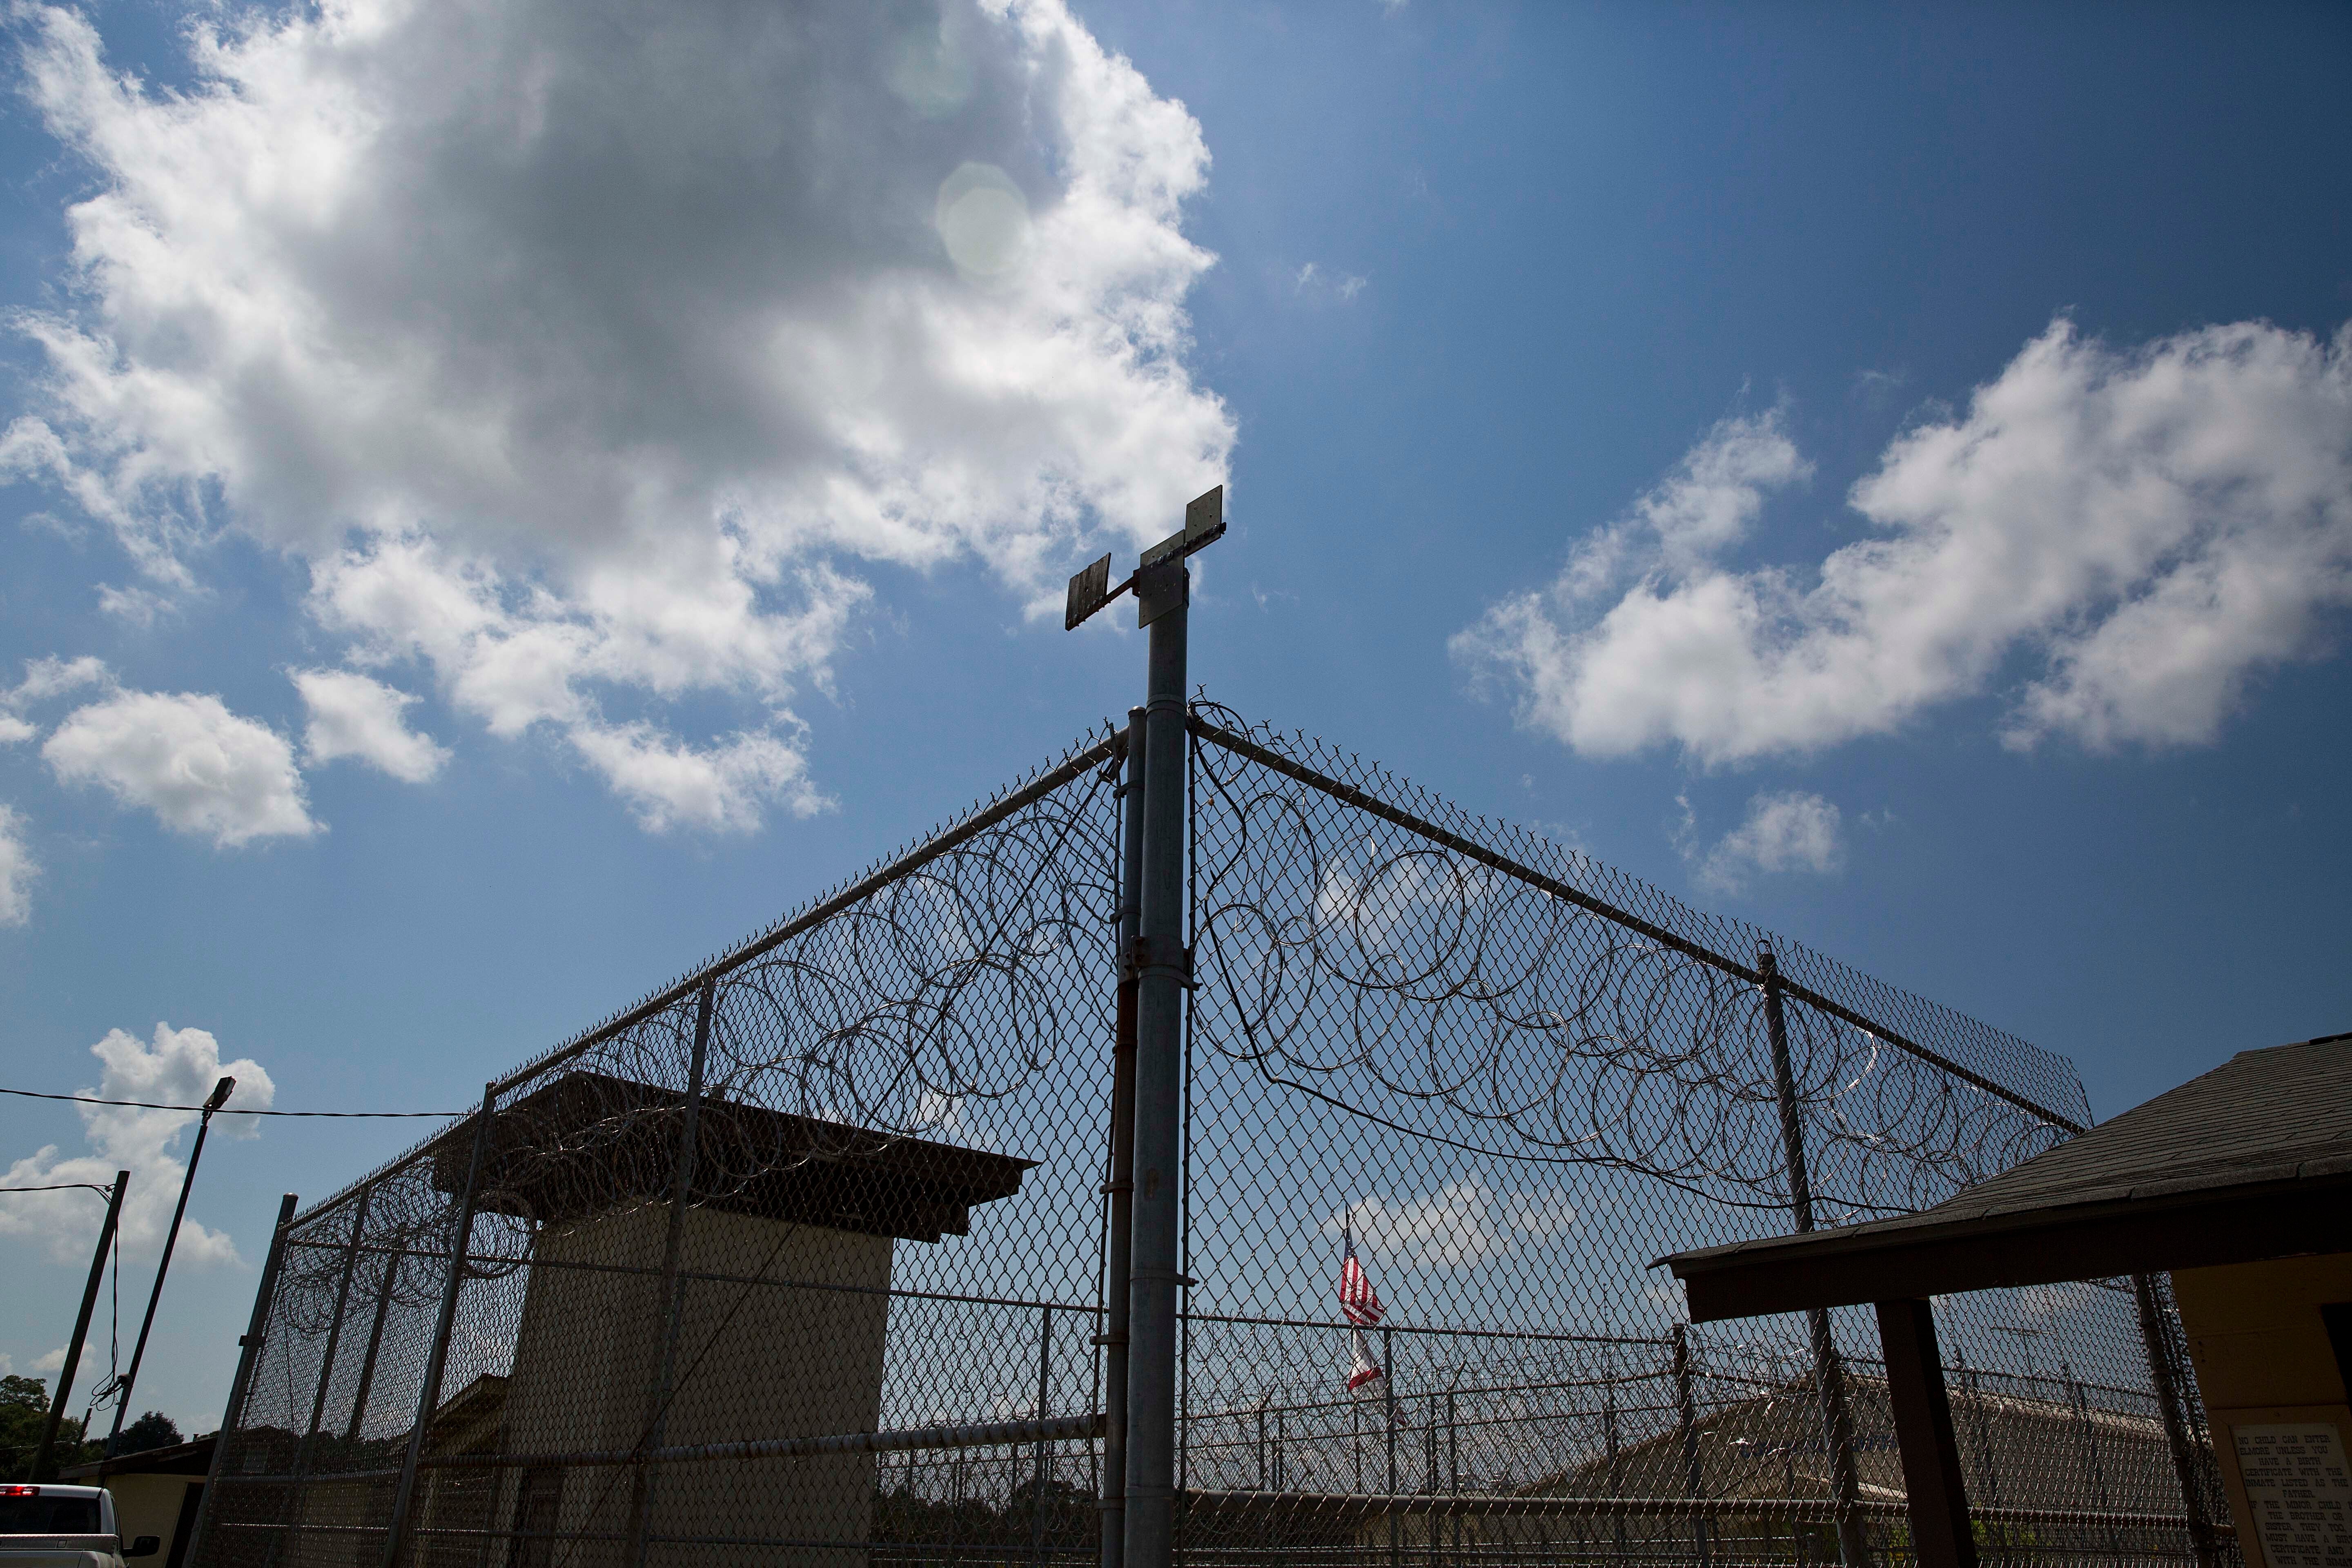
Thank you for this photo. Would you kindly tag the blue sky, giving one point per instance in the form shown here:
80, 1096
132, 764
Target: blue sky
1880, 471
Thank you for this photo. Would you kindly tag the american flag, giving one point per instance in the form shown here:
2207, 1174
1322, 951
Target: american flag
1361, 1304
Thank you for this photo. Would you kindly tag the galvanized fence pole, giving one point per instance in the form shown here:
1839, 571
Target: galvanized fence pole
1163, 973
1119, 1240
673, 1289
2164, 1371
1687, 1425
248, 1351
1837, 1417
1041, 1458
385, 1287
1389, 1422
40, 1470
335, 1329
428, 1395
309, 1442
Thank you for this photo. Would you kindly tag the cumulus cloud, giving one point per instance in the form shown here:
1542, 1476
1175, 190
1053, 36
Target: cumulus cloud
353, 716
1790, 830
178, 1067
201, 769
1460, 1224
17, 869
591, 360
2152, 527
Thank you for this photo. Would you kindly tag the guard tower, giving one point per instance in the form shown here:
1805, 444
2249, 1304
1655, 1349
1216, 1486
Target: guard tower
762, 1318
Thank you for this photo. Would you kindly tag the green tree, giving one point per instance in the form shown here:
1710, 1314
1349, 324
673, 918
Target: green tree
152, 1430
24, 1411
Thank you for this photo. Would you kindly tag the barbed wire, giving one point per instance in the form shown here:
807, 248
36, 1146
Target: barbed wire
1460, 999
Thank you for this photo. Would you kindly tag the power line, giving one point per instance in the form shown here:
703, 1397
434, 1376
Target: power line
231, 1110
60, 1187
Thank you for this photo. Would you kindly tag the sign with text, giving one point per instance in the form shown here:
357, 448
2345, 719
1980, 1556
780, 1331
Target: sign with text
2299, 1491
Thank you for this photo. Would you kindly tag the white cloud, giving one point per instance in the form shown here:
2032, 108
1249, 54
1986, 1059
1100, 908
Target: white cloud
2156, 526
353, 716
179, 1067
17, 869
197, 766
1310, 281
13, 728
53, 676
1460, 1224
49, 1361
719, 788
1791, 830
590, 362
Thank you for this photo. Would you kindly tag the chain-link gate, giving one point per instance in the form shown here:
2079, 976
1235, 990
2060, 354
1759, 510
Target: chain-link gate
806, 1260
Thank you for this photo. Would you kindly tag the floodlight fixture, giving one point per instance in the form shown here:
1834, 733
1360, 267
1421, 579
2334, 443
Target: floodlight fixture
1090, 588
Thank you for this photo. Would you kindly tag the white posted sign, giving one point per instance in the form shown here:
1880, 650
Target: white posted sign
2299, 1491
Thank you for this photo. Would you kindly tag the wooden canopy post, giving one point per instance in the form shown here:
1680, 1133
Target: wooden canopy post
1923, 1427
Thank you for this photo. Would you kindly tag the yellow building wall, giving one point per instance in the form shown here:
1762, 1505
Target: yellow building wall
798, 1355
149, 1505
2264, 1360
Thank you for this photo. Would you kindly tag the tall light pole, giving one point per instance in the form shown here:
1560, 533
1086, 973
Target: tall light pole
122, 1391
1161, 969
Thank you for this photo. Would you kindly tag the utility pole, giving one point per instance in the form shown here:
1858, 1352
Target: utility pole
121, 1390
40, 1470
1162, 969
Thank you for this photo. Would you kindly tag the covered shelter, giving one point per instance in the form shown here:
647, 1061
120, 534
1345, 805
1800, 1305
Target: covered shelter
2237, 1183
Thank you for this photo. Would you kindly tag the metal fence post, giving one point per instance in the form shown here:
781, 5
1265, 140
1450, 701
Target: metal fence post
673, 1289
1119, 1240
1161, 976
1837, 1417
40, 1470
428, 1397
1687, 1423
385, 1285
2164, 1371
1041, 1465
309, 1438
1389, 1421
248, 1351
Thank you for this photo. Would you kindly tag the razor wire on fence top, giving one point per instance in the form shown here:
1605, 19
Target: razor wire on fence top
803, 1257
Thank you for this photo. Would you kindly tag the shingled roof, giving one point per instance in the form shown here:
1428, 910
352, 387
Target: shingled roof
2253, 1160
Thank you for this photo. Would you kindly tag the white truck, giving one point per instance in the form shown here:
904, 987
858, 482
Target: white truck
52, 1526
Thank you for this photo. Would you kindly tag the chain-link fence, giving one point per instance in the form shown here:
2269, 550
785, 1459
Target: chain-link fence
803, 1260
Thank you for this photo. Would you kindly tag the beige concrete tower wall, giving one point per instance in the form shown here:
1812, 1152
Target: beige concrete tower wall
786, 1343
2265, 1364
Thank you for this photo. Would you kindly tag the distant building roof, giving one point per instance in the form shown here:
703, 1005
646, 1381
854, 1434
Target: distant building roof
2251, 1161
192, 1457
588, 1143
1771, 1445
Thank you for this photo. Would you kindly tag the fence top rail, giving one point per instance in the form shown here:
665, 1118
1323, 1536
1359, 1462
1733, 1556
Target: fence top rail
1106, 745
1348, 795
